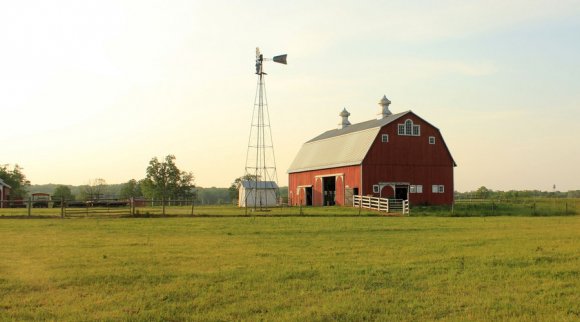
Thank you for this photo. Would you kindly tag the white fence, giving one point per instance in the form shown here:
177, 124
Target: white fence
382, 204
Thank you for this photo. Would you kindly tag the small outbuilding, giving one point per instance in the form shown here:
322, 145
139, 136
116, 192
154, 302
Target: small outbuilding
4, 194
395, 156
257, 194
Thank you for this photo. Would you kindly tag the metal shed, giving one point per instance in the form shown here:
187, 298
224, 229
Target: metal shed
257, 194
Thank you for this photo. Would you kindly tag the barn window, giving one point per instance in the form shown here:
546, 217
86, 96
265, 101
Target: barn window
376, 188
438, 188
385, 138
431, 140
416, 188
401, 129
415, 130
409, 129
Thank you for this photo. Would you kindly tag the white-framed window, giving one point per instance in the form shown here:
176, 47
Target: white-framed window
416, 188
438, 188
385, 138
416, 130
431, 140
409, 129
376, 188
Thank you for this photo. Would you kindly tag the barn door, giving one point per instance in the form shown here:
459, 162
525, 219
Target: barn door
308, 192
402, 192
329, 191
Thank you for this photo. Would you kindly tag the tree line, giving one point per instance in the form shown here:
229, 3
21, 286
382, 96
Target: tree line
486, 193
163, 181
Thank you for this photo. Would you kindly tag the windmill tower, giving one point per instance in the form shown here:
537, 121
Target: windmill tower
259, 186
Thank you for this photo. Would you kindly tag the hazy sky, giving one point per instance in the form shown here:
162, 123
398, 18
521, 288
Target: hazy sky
95, 89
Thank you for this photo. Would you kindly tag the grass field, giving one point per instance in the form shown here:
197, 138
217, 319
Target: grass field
291, 268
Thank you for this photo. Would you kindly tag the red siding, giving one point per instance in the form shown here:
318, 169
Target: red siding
349, 178
410, 159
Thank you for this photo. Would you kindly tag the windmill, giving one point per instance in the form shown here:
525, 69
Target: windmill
259, 188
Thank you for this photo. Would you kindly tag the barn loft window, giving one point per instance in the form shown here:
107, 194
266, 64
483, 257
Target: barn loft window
385, 138
409, 129
431, 140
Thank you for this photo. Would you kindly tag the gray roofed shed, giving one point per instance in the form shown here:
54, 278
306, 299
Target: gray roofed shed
257, 194
260, 184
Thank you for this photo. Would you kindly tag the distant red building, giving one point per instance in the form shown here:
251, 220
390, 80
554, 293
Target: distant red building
4, 194
398, 156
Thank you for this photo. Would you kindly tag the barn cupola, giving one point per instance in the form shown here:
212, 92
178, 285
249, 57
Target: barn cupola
344, 114
384, 108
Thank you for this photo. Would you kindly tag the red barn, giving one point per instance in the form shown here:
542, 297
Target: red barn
398, 156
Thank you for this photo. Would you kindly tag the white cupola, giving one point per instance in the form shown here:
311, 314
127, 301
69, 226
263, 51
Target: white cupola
384, 108
344, 114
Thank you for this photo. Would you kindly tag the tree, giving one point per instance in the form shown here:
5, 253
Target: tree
62, 192
164, 180
95, 190
130, 189
483, 192
16, 179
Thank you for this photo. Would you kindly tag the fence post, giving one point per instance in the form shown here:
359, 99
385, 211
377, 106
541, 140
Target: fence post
29, 206
192, 205
61, 207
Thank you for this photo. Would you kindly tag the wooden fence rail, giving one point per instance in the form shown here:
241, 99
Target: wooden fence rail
382, 204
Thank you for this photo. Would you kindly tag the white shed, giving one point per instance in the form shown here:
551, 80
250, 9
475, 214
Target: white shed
257, 194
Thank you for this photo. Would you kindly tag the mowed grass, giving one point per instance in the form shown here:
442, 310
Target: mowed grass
291, 268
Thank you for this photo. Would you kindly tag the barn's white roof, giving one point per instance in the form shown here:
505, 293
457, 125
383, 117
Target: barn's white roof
341, 147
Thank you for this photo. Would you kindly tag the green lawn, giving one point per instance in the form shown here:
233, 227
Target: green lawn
291, 268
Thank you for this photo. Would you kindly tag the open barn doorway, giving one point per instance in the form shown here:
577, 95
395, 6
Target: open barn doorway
308, 192
329, 191
402, 192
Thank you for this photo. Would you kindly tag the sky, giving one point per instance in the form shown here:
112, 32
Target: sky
95, 89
